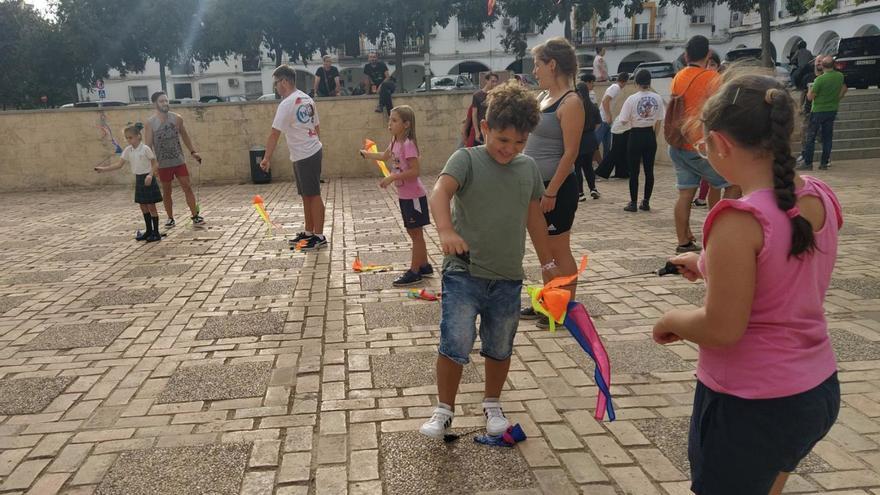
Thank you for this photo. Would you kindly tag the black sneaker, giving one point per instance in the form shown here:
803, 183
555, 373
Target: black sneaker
581, 197
426, 270
153, 237
690, 247
595, 194
140, 235
825, 167
198, 221
630, 207
699, 203
408, 278
314, 243
169, 223
528, 313
645, 206
543, 322
299, 237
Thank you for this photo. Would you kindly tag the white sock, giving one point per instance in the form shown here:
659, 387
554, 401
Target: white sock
444, 406
309, 234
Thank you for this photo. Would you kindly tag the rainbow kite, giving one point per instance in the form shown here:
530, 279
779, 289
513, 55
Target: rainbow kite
359, 267
555, 302
423, 294
370, 146
260, 206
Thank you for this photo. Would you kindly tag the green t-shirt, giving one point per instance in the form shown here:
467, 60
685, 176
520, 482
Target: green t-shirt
826, 91
490, 211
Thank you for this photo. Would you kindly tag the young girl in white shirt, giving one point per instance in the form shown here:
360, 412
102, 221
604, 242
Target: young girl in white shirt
643, 112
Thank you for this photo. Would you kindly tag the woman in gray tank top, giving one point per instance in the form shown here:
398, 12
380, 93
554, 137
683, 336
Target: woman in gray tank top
554, 146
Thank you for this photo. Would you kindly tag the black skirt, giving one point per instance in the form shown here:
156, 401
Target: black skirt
146, 195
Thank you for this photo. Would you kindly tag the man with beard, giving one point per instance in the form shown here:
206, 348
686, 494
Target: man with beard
375, 73
163, 133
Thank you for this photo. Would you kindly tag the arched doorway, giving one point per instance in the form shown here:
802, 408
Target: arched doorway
632, 60
867, 30
469, 67
826, 44
791, 47
412, 75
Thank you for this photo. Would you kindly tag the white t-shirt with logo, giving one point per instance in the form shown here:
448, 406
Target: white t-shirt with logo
612, 92
297, 118
139, 158
642, 109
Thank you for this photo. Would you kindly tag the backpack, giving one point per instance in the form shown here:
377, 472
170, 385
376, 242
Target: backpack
676, 117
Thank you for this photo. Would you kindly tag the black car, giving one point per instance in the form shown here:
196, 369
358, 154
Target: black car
859, 61
658, 70
743, 54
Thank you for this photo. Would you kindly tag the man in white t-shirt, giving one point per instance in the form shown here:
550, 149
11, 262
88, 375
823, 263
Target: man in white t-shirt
297, 118
603, 132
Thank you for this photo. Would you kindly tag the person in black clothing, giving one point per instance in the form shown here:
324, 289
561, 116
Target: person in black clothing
479, 103
327, 79
583, 165
375, 72
385, 90
802, 60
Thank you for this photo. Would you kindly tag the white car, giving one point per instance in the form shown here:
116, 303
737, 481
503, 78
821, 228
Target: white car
267, 97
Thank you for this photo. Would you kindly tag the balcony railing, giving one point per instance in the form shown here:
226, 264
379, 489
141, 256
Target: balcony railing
385, 47
614, 35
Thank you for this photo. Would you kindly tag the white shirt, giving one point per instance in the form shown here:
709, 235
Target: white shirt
139, 158
612, 92
642, 109
297, 119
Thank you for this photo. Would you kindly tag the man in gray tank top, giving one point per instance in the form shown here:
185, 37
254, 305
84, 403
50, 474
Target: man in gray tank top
163, 133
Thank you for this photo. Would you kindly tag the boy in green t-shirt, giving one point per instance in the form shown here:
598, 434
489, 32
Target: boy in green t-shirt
825, 94
494, 192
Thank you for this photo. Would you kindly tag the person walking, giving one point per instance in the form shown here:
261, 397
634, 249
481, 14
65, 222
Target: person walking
690, 89
603, 133
643, 112
163, 133
297, 118
825, 94
600, 67
554, 146
583, 166
327, 81
614, 159
478, 102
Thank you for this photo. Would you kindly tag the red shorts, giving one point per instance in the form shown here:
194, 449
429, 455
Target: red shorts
168, 174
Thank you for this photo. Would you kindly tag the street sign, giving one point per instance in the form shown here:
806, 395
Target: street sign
102, 94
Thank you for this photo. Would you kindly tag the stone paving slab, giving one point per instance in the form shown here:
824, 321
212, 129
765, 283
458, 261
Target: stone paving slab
413, 369
865, 287
242, 325
380, 315
262, 288
89, 255
208, 469
851, 347
217, 382
79, 335
125, 297
11, 302
159, 270
36, 277
30, 395
273, 264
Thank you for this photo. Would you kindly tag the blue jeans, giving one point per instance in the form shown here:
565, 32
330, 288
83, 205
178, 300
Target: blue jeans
603, 136
497, 304
690, 167
819, 122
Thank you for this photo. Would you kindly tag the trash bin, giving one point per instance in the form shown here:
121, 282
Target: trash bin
258, 176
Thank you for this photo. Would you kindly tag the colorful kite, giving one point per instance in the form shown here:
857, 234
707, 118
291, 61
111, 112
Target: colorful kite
260, 206
370, 146
423, 294
359, 267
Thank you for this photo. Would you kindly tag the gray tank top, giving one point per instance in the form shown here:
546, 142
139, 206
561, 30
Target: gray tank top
545, 144
166, 141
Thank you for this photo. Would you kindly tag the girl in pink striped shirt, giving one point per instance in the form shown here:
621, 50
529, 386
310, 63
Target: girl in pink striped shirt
767, 386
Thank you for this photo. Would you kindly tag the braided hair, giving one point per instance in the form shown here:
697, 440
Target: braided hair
757, 112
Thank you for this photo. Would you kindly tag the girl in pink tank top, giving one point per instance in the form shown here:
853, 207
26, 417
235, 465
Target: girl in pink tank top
767, 387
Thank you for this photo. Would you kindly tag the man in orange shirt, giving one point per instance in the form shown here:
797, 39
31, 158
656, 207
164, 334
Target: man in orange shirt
694, 84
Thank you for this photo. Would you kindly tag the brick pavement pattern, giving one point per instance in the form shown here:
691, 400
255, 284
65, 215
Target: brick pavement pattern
218, 361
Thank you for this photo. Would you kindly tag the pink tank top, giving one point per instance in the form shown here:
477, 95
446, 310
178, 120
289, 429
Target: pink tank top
785, 349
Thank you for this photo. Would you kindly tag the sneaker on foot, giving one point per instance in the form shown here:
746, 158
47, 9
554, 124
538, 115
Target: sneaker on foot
496, 423
699, 202
630, 207
315, 242
140, 235
439, 423
528, 313
426, 270
581, 198
825, 167
595, 194
645, 206
542, 322
169, 223
301, 236
690, 247
408, 278
153, 237
198, 221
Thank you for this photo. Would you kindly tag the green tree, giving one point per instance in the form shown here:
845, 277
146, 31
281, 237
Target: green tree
538, 14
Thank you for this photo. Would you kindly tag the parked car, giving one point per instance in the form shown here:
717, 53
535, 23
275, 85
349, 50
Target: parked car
658, 70
743, 53
95, 104
859, 61
222, 99
182, 101
268, 97
449, 83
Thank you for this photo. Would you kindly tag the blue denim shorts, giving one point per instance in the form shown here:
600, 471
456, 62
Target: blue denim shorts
690, 167
495, 301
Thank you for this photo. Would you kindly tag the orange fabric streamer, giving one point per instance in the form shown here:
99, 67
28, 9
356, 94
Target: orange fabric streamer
552, 300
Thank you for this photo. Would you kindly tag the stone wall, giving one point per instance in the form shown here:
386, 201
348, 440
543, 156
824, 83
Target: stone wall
55, 149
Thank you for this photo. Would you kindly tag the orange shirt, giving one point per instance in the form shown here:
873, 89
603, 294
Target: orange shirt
702, 83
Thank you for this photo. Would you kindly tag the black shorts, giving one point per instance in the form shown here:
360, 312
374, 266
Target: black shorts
415, 212
308, 174
560, 219
739, 446
146, 195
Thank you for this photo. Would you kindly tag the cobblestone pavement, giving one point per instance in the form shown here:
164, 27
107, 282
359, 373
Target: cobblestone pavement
217, 361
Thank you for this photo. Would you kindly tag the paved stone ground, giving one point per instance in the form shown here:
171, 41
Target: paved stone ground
218, 361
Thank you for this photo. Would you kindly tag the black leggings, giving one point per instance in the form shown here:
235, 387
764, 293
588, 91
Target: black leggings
583, 165
641, 146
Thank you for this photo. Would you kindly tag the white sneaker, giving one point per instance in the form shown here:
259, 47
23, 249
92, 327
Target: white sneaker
496, 423
439, 423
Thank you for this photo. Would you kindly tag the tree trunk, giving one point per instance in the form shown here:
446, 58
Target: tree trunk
162, 80
399, 44
766, 53
427, 52
279, 55
567, 32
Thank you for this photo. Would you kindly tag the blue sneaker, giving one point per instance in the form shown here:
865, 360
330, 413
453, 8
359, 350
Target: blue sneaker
408, 278
426, 270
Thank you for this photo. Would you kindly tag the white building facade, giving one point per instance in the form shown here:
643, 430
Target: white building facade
656, 34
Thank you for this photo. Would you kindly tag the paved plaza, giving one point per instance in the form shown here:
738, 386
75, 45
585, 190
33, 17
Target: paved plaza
217, 361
